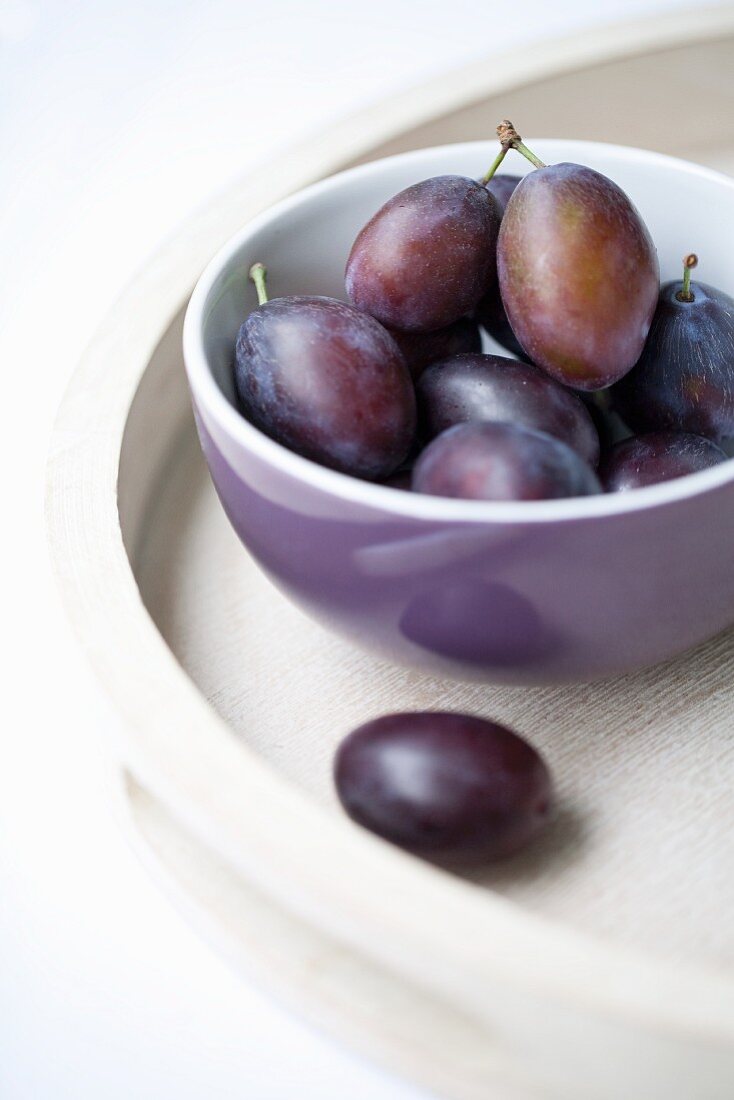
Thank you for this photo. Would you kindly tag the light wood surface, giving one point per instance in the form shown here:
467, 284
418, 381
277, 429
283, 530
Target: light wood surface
598, 967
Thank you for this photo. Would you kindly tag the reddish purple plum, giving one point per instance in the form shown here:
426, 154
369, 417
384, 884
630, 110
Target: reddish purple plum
327, 381
450, 787
684, 380
498, 461
490, 387
659, 456
427, 256
422, 348
578, 273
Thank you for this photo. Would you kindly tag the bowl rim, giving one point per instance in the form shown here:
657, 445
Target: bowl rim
385, 498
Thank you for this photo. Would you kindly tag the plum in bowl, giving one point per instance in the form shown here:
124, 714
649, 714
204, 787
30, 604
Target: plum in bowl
544, 591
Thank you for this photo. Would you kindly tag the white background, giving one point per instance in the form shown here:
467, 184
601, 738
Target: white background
117, 118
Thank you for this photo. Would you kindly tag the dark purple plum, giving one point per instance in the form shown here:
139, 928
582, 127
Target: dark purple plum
446, 786
486, 461
659, 456
421, 348
327, 381
598, 406
427, 256
490, 387
490, 313
401, 479
502, 186
684, 380
578, 273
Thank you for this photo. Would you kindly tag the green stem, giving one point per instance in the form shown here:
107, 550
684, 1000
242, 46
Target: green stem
258, 272
495, 165
536, 162
686, 295
510, 139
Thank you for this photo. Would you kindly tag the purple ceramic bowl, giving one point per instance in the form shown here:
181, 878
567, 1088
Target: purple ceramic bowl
538, 592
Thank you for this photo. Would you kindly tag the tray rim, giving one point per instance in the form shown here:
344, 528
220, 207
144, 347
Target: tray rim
530, 953
296, 989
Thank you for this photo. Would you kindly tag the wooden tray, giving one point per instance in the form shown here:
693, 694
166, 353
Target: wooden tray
599, 965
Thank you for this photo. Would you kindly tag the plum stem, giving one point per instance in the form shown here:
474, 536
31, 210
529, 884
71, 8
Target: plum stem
686, 294
258, 272
510, 139
494, 165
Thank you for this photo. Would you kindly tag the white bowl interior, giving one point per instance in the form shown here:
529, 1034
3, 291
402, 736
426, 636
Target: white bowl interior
305, 240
